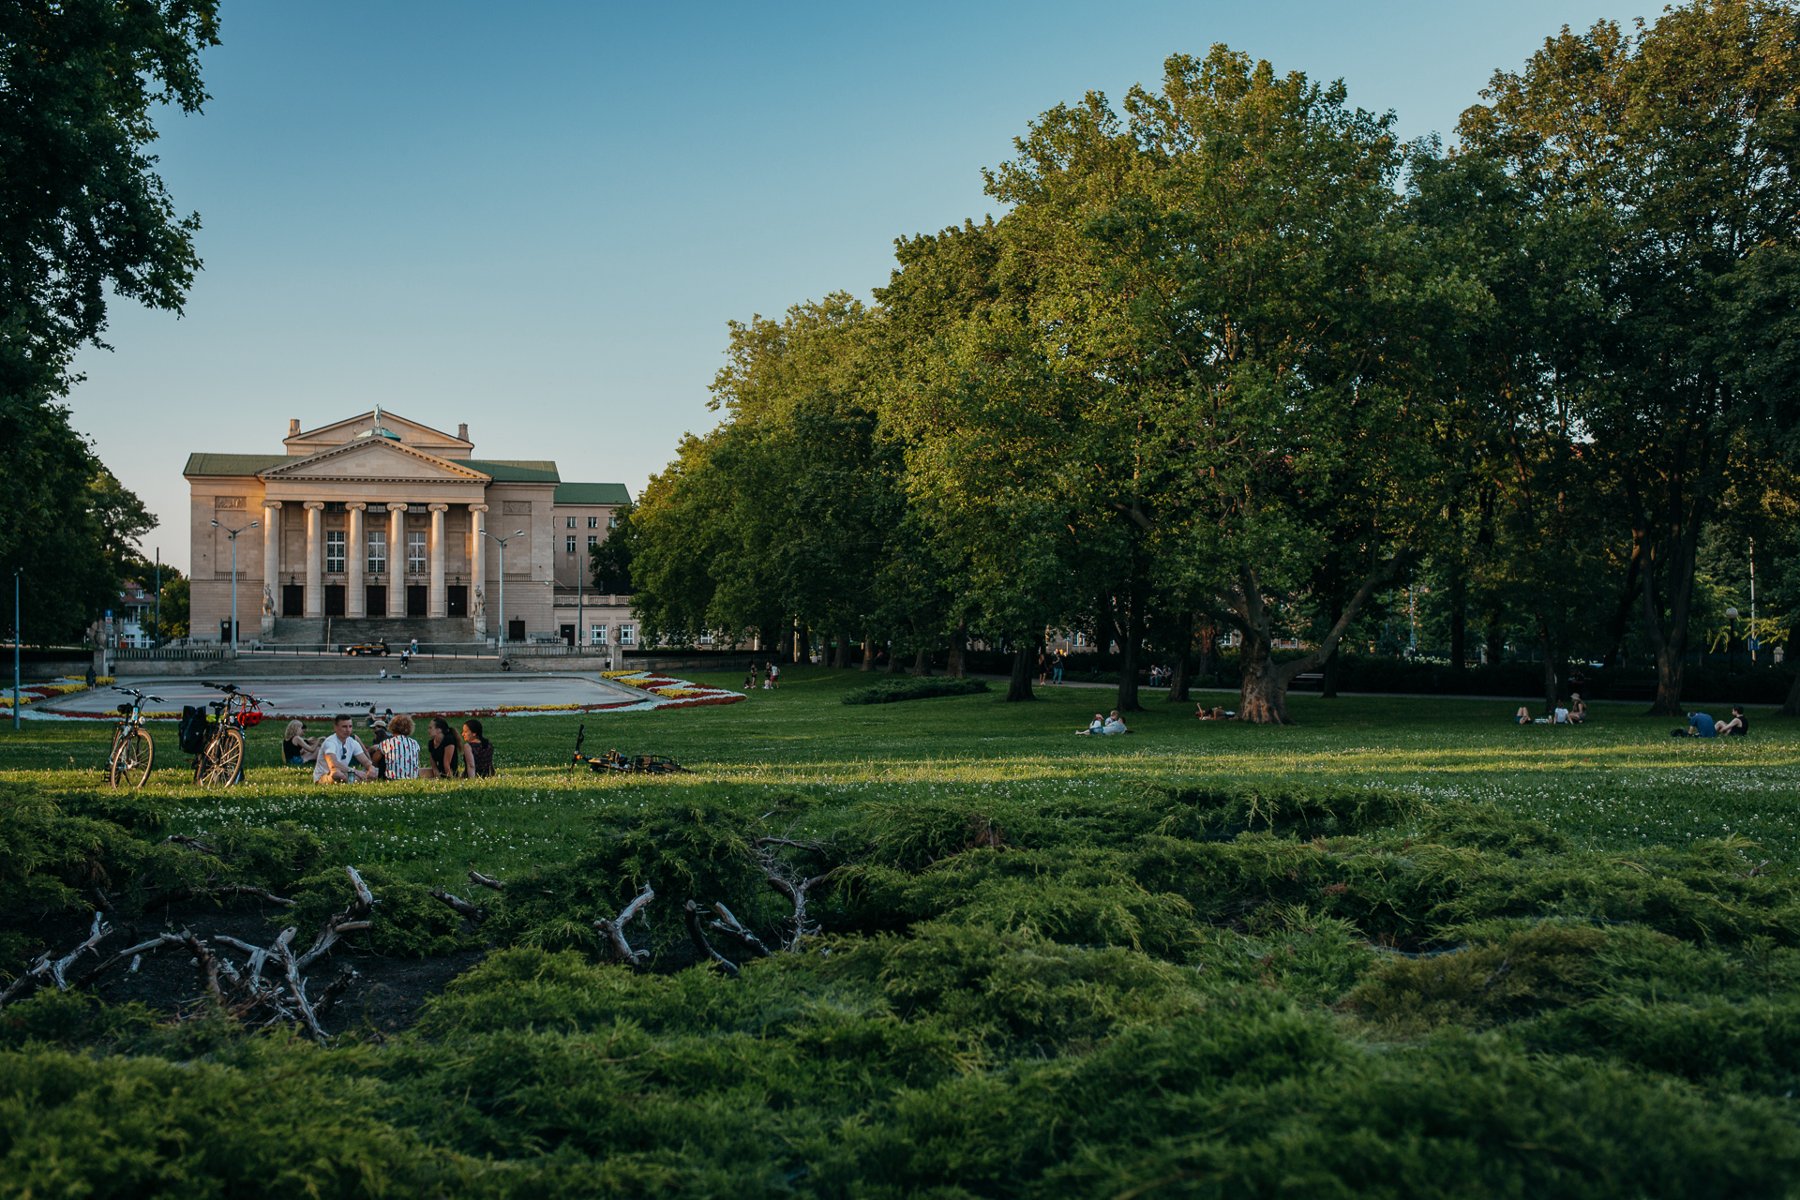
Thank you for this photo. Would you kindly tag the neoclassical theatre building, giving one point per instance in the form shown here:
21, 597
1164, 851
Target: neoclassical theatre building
380, 527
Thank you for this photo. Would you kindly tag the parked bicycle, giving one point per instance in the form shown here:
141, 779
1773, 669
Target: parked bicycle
133, 749
219, 757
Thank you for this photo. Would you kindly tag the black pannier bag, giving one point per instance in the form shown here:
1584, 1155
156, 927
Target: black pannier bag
192, 730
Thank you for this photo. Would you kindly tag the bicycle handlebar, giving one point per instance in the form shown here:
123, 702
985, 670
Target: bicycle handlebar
139, 694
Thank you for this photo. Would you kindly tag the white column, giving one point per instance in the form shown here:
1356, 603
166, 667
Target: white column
397, 560
355, 598
315, 558
271, 532
478, 567
437, 600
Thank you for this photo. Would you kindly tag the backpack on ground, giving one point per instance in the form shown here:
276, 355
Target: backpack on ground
191, 733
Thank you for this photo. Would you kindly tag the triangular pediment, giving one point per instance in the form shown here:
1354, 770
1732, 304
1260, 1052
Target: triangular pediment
360, 427
376, 459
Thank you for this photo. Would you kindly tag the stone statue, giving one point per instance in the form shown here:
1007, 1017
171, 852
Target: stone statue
479, 609
268, 601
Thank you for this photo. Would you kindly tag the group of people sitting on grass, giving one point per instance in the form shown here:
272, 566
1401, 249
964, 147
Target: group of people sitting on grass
341, 757
1575, 712
1702, 725
1104, 726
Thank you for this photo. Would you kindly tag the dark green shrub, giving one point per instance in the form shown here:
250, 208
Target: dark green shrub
926, 687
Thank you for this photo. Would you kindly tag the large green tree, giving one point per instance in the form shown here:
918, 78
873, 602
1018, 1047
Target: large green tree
1677, 145
83, 217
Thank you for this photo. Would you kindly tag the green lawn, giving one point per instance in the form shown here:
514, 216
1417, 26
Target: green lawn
1403, 948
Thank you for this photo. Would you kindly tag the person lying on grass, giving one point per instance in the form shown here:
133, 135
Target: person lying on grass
339, 756
1095, 727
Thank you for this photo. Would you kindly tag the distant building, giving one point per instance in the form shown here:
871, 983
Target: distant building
380, 527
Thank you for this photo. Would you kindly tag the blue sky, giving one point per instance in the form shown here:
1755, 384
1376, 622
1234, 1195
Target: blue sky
538, 217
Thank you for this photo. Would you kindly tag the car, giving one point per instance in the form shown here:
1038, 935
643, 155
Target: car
360, 648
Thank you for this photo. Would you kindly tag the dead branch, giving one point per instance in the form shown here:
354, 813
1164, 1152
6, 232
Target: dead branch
297, 987
353, 918
691, 914
44, 968
796, 892
192, 843
614, 930
133, 954
761, 842
335, 990
480, 880
244, 889
95, 933
727, 922
209, 966
462, 908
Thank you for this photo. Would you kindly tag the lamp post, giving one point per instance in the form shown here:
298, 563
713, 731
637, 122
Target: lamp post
1731, 615
232, 536
502, 543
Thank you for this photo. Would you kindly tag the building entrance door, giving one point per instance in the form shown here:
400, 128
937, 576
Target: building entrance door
515, 630
293, 600
334, 599
376, 600
457, 598
568, 634
415, 600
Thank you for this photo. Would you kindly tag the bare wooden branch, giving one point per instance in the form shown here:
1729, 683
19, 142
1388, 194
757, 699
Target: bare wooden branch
761, 842
462, 908
96, 932
353, 918
480, 880
209, 966
691, 914
727, 922
244, 889
192, 843
334, 990
614, 930
132, 954
297, 987
796, 893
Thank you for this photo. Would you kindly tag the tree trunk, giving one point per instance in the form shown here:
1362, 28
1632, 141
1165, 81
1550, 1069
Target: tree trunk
1262, 696
840, 654
868, 654
1209, 644
921, 661
802, 642
1459, 616
1128, 656
1020, 686
1328, 689
954, 664
1550, 680
1495, 639
1621, 616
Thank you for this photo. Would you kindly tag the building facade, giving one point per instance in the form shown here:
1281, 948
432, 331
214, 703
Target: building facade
381, 527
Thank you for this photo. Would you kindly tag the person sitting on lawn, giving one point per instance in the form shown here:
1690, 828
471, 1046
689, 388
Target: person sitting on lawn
1738, 726
297, 750
1702, 725
1577, 709
1114, 724
1095, 727
1523, 716
1560, 716
481, 751
399, 752
339, 755
449, 757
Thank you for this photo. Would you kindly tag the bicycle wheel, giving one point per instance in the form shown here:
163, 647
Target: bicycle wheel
222, 764
133, 754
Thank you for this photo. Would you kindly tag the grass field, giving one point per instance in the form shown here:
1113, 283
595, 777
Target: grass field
1401, 948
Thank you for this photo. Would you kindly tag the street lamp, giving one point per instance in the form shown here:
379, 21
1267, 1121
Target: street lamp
502, 542
232, 535
1731, 615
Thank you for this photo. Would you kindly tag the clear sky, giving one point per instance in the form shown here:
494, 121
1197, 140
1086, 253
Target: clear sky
538, 217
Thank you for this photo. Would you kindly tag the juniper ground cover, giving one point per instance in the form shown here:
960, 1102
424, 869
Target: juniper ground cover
1404, 948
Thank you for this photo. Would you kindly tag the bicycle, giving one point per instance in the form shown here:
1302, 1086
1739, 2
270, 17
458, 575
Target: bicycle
133, 749
220, 761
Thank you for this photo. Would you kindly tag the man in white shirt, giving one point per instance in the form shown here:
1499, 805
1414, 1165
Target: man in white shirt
339, 755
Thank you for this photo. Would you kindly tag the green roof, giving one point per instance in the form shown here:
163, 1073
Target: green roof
592, 493
232, 464
537, 470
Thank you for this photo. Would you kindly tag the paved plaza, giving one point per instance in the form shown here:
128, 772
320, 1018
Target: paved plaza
322, 696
